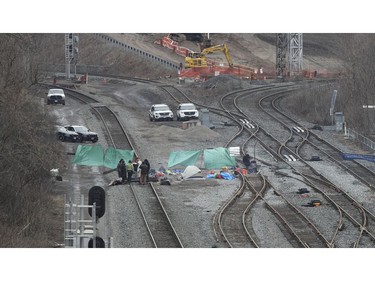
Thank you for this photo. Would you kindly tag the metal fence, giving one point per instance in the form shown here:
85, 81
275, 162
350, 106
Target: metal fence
97, 69
138, 52
362, 139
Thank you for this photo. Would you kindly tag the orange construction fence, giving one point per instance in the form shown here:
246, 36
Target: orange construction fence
173, 45
211, 71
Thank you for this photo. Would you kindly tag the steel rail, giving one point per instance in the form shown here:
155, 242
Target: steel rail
103, 111
232, 200
326, 195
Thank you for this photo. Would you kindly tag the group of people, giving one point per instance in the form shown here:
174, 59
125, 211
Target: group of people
140, 168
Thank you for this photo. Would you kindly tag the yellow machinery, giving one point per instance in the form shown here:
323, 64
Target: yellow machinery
199, 59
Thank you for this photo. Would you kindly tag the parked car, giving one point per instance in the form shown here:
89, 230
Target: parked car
160, 112
64, 135
84, 133
56, 96
186, 111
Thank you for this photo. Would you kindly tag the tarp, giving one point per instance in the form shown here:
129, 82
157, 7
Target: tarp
351, 156
221, 175
190, 171
216, 158
93, 155
183, 158
89, 155
112, 156
213, 158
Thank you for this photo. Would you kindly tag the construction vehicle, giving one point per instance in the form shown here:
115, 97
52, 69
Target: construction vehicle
196, 59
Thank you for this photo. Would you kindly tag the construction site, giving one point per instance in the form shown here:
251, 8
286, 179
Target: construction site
213, 59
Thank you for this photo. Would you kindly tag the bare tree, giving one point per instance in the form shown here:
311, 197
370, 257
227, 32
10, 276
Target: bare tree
27, 149
357, 85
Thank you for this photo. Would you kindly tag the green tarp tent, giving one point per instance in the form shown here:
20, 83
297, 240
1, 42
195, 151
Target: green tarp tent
92, 155
89, 155
217, 158
183, 158
214, 158
112, 156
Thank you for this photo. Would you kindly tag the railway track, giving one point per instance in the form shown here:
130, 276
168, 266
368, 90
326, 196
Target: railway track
228, 222
345, 204
279, 149
301, 137
302, 229
155, 217
292, 217
158, 224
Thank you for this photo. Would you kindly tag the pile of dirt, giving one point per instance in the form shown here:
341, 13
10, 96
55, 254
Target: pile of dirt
201, 132
196, 133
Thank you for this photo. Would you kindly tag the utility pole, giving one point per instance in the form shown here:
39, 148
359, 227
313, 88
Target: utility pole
71, 52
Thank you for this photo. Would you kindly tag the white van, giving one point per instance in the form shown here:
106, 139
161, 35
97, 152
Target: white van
56, 96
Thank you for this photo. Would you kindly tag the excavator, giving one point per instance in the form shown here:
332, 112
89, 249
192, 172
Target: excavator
196, 59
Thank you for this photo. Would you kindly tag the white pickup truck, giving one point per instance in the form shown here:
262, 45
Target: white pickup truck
56, 96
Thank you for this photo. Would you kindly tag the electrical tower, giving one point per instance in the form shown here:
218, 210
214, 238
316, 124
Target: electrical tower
289, 54
71, 52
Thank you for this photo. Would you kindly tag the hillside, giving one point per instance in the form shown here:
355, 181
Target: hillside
252, 50
321, 52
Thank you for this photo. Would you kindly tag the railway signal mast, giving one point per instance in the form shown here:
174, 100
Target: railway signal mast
289, 54
71, 52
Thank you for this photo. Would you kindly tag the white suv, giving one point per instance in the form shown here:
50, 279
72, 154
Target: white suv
160, 112
186, 111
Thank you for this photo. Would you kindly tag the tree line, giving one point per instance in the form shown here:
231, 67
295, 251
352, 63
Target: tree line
27, 147
354, 84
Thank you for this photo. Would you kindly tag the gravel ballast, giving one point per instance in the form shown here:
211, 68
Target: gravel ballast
191, 205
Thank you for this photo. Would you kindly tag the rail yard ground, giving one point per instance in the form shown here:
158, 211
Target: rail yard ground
191, 205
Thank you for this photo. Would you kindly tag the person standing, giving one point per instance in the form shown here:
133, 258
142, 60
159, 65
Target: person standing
144, 172
121, 170
130, 169
253, 166
246, 161
136, 164
149, 168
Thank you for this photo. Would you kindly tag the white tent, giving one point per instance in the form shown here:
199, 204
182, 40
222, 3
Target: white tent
190, 171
